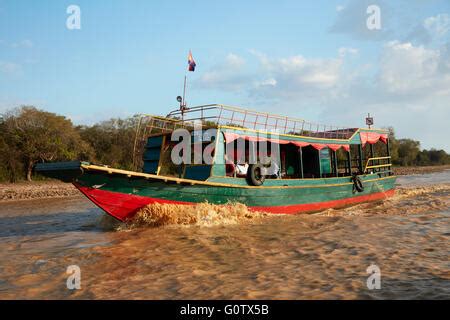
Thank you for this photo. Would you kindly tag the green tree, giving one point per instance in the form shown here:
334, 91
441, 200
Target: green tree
393, 146
432, 157
408, 150
113, 141
41, 136
11, 165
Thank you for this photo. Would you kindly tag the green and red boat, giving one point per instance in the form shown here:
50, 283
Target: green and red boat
320, 166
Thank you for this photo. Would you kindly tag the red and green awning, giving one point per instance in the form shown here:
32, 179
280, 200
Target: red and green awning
372, 137
365, 136
231, 136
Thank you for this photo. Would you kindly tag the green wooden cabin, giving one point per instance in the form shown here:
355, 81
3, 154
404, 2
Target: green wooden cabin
307, 151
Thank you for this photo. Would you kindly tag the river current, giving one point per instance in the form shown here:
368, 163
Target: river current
209, 252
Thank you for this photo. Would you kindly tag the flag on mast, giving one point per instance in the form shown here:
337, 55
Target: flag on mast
191, 62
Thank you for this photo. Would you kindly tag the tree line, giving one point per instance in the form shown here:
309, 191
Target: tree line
407, 152
29, 136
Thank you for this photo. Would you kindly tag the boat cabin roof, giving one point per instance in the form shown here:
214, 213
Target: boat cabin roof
232, 124
255, 125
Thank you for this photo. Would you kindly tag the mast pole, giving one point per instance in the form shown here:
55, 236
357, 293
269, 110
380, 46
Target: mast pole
183, 100
184, 90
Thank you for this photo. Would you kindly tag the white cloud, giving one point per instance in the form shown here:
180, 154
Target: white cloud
411, 92
317, 73
339, 8
343, 51
10, 68
403, 71
276, 78
438, 25
352, 20
401, 20
23, 44
409, 88
234, 61
267, 82
230, 75
431, 29
412, 70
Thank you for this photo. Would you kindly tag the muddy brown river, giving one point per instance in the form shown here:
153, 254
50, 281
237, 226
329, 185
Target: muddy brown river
230, 253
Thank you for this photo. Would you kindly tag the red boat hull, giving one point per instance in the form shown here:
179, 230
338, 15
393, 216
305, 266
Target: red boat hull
124, 206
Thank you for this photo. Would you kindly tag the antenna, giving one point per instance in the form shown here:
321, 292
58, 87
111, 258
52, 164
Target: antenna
182, 106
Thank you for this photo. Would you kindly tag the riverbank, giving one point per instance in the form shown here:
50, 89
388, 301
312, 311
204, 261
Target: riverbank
57, 189
36, 190
403, 171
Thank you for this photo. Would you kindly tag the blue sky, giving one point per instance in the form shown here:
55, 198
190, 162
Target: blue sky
315, 60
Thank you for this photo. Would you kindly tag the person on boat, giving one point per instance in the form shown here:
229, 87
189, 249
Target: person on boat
241, 169
272, 166
238, 165
241, 164
230, 167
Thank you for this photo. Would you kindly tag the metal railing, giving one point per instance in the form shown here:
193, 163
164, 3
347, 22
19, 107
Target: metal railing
213, 115
376, 163
218, 114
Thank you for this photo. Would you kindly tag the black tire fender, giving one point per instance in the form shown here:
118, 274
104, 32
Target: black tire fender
357, 184
255, 174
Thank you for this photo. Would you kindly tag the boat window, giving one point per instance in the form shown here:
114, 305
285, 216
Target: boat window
311, 164
290, 161
377, 150
167, 167
237, 157
240, 153
192, 170
342, 163
380, 149
355, 157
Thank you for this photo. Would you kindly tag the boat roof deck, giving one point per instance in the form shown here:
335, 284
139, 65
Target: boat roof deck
215, 115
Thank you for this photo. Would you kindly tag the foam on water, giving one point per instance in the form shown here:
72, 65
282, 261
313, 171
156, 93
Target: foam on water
406, 201
202, 214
